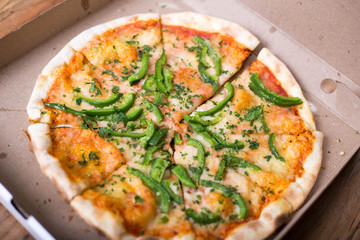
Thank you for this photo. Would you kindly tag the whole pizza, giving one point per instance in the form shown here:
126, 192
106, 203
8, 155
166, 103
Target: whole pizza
143, 126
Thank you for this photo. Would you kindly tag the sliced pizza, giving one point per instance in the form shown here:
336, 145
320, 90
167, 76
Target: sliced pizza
203, 52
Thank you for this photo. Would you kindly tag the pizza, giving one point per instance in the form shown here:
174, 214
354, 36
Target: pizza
150, 127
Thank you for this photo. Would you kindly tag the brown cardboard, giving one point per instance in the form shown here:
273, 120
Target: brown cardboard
21, 174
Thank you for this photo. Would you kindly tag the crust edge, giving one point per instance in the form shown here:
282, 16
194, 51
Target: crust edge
40, 139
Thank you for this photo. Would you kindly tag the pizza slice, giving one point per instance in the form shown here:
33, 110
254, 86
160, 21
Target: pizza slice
202, 52
241, 134
99, 73
74, 159
135, 201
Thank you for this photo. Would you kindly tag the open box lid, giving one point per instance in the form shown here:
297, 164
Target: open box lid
21, 174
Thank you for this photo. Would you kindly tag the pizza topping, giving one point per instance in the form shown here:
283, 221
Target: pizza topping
257, 113
149, 83
108, 132
168, 77
197, 119
233, 162
161, 195
227, 192
211, 52
155, 109
134, 113
230, 93
158, 136
260, 90
166, 184
142, 71
237, 145
177, 139
150, 130
158, 169
203, 218
180, 172
200, 157
150, 151
202, 132
273, 148
159, 78
126, 104
114, 97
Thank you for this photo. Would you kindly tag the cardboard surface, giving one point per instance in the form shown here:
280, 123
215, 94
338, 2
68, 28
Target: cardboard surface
21, 174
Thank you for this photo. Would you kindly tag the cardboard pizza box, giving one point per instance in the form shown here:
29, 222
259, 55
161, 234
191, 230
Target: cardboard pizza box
325, 88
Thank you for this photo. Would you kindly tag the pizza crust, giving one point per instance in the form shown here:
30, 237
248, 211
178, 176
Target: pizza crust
297, 191
104, 220
271, 217
288, 83
41, 143
81, 40
211, 24
44, 83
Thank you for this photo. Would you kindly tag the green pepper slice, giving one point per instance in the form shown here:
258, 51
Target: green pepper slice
142, 71
199, 157
97, 102
168, 77
157, 98
237, 145
273, 148
166, 184
207, 77
227, 192
230, 93
180, 172
64, 108
211, 51
204, 217
260, 90
155, 109
159, 78
177, 139
158, 169
105, 131
161, 195
241, 162
221, 169
150, 151
158, 136
126, 104
149, 83
197, 119
134, 113
149, 132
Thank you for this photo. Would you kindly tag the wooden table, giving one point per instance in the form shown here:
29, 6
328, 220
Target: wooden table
336, 214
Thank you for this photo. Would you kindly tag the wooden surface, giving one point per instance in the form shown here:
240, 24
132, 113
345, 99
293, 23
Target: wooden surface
15, 13
336, 214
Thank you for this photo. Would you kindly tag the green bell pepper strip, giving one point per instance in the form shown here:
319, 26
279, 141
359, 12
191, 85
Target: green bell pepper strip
227, 192
142, 71
264, 125
230, 93
221, 169
211, 51
197, 119
260, 90
203, 55
166, 184
200, 158
157, 98
180, 172
109, 132
168, 77
134, 113
126, 104
159, 78
158, 136
273, 148
150, 151
161, 195
177, 139
149, 83
224, 144
149, 132
207, 77
64, 108
241, 162
155, 109
158, 169
202, 218
98, 102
